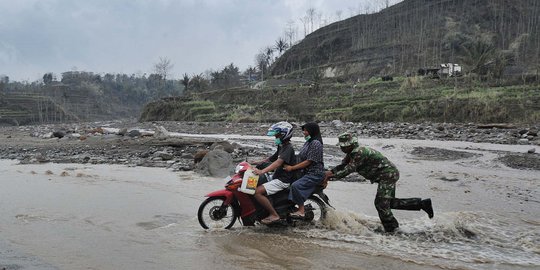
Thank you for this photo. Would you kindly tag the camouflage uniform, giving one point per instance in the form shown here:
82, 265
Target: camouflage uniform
375, 167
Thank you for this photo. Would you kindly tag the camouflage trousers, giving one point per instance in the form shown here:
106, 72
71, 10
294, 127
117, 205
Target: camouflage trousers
385, 200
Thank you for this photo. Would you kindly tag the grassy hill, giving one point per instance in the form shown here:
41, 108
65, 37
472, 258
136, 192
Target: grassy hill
411, 99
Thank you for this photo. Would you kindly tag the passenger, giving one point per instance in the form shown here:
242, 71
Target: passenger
375, 167
281, 179
310, 160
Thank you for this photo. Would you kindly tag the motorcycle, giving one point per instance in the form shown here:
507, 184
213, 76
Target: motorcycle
223, 207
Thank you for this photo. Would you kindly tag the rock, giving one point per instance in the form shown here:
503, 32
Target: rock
98, 130
532, 133
134, 133
122, 132
337, 123
224, 145
59, 134
74, 135
523, 131
47, 135
164, 155
199, 155
161, 132
531, 151
216, 163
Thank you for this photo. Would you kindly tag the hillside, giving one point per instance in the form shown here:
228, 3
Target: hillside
413, 99
485, 36
80, 96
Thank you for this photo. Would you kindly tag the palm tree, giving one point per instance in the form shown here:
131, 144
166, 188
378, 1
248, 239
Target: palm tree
185, 81
269, 52
281, 46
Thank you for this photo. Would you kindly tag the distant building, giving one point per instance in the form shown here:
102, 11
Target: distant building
443, 70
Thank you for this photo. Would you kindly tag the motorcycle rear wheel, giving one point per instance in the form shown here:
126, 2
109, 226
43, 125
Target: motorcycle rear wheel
213, 214
317, 207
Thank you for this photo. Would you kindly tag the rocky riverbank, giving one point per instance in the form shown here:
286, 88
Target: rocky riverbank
151, 144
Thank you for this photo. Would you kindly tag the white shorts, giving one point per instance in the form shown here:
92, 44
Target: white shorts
275, 186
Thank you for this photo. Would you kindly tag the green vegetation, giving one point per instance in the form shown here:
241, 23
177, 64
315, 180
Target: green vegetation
411, 99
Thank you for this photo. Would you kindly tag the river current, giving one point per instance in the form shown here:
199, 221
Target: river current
73, 216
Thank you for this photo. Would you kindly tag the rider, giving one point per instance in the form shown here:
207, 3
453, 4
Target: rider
281, 179
378, 169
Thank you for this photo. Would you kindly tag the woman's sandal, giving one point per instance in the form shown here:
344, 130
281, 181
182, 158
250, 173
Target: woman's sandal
296, 215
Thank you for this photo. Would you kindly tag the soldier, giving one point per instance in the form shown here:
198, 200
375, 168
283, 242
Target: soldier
375, 167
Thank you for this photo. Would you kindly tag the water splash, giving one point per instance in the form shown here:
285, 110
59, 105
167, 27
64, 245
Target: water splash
461, 238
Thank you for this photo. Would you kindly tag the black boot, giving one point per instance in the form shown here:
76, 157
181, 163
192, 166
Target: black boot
426, 206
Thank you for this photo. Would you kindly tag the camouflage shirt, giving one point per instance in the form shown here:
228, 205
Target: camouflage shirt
367, 162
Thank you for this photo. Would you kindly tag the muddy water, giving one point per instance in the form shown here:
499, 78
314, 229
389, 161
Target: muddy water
72, 216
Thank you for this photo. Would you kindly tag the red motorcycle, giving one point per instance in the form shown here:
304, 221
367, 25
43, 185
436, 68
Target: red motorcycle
223, 207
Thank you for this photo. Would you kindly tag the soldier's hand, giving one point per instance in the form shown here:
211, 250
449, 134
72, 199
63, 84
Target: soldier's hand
328, 175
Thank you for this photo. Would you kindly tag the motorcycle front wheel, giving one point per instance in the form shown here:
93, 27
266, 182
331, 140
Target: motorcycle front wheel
213, 214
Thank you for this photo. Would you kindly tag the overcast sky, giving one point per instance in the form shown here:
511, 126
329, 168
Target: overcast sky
130, 36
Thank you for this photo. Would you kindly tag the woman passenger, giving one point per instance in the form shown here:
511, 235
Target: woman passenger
310, 160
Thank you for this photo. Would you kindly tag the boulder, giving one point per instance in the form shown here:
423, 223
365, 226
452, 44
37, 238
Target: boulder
164, 155
223, 145
337, 123
123, 132
216, 163
161, 132
134, 133
59, 134
199, 155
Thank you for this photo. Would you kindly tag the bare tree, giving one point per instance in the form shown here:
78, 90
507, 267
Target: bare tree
338, 15
290, 32
261, 62
305, 23
163, 67
310, 15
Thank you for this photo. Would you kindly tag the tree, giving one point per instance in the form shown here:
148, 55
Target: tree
163, 67
199, 83
478, 54
4, 80
249, 73
310, 15
281, 45
47, 78
269, 52
262, 64
290, 32
185, 81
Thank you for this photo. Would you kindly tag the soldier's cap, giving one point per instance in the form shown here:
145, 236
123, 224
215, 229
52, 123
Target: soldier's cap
346, 139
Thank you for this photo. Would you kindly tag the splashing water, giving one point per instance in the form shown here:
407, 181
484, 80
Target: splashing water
459, 238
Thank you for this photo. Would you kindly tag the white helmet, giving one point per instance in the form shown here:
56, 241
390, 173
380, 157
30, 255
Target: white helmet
283, 128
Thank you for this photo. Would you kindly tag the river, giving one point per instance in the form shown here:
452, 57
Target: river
75, 216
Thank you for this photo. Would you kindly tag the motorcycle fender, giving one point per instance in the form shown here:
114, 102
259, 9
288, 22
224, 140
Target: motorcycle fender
228, 195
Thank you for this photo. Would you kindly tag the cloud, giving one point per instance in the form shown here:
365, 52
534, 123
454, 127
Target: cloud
129, 36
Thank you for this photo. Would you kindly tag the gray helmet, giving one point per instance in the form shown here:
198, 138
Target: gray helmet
347, 139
